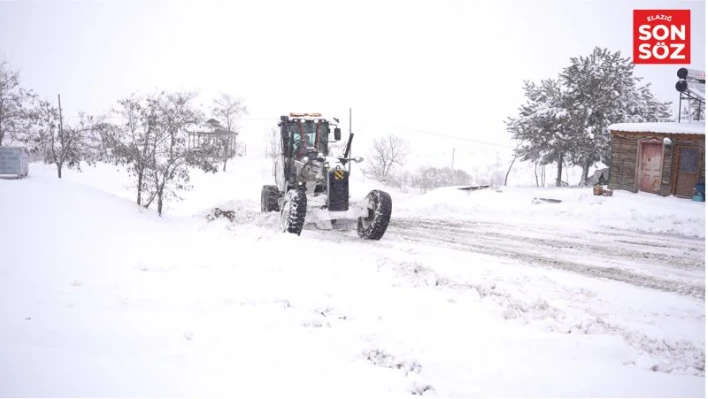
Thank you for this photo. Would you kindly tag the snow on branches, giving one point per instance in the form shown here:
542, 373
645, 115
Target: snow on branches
566, 120
152, 141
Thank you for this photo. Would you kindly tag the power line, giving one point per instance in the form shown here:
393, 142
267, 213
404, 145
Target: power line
457, 138
120, 117
399, 127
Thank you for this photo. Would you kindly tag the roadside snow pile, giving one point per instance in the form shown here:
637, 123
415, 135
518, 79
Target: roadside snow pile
242, 181
578, 208
103, 298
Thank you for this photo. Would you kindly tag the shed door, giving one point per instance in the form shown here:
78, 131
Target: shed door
687, 176
650, 180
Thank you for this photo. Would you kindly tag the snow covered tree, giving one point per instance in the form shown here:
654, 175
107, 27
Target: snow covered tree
130, 141
63, 146
693, 110
428, 178
543, 127
227, 110
600, 90
14, 112
649, 108
271, 138
404, 180
172, 158
386, 153
151, 140
566, 120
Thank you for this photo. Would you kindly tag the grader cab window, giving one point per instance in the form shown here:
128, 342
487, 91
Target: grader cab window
308, 135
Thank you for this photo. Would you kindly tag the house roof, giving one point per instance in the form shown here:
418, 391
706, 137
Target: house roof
212, 126
661, 127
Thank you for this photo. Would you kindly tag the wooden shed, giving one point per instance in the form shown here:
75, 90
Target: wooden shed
663, 158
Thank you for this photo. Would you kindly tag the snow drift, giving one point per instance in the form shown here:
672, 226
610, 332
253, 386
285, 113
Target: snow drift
579, 208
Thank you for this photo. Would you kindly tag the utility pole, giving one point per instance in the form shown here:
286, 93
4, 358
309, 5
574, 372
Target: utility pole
61, 125
680, 106
452, 168
349, 164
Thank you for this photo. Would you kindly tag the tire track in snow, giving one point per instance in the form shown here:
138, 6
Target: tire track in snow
601, 258
644, 245
616, 254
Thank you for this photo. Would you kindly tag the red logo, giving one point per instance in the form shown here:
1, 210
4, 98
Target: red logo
662, 37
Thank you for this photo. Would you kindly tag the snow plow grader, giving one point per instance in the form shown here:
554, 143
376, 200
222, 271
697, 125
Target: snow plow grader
312, 186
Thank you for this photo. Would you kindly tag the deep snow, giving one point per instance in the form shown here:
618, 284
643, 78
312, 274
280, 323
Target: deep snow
102, 298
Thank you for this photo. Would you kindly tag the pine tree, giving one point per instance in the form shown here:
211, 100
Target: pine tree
693, 110
544, 127
601, 89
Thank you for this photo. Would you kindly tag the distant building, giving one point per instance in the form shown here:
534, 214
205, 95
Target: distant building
214, 132
660, 158
14, 161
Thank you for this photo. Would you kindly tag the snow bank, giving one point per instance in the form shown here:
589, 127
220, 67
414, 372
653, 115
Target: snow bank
579, 208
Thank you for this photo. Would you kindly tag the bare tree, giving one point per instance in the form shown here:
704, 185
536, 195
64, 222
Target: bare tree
271, 138
131, 141
152, 141
172, 158
60, 145
228, 110
14, 114
387, 152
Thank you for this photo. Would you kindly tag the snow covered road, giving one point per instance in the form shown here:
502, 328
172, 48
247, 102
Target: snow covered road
582, 282
656, 261
102, 298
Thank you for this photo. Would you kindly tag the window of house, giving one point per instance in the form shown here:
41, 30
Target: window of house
688, 160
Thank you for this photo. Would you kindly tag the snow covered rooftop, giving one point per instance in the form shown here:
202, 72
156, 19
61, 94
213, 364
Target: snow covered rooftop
662, 127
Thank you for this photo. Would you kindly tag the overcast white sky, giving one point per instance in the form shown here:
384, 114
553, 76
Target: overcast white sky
449, 67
